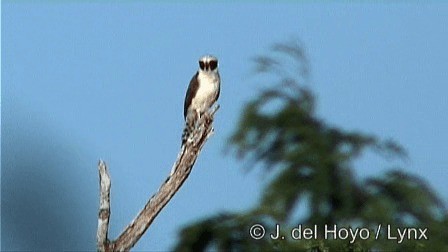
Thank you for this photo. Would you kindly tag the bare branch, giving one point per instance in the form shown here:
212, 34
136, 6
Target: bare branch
179, 173
104, 212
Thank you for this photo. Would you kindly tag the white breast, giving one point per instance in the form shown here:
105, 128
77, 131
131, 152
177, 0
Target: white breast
207, 91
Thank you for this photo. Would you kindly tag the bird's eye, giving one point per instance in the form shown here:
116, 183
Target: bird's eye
201, 65
213, 65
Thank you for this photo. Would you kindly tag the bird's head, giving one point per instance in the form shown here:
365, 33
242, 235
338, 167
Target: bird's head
208, 63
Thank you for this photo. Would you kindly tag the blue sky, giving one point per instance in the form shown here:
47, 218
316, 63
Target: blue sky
83, 81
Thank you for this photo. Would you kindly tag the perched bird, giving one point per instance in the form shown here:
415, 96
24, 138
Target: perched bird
202, 93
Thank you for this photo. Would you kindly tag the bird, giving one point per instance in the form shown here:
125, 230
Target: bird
202, 93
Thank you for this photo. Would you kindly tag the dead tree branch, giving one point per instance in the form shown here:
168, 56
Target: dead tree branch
179, 173
104, 213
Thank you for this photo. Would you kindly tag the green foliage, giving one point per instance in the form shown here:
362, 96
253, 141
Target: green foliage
310, 163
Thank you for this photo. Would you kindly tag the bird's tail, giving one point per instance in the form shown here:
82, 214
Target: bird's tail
186, 134
188, 130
